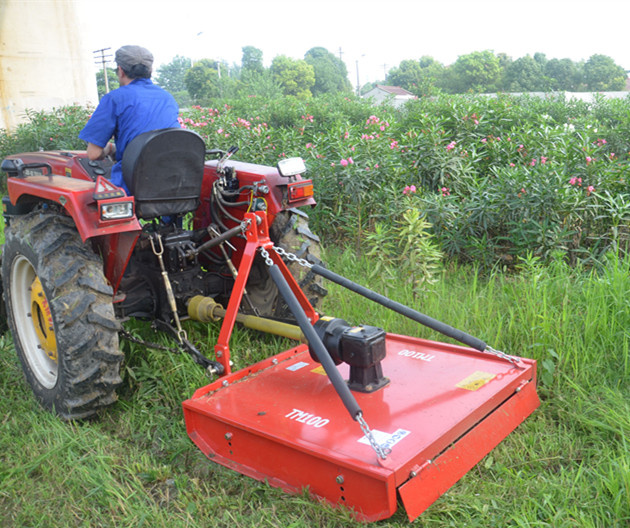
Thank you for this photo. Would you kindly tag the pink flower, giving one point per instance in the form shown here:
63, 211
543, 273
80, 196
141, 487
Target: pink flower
484, 140
451, 145
344, 163
445, 191
512, 165
350, 160
409, 189
533, 162
543, 160
589, 190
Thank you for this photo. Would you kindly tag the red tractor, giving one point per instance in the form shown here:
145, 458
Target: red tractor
81, 256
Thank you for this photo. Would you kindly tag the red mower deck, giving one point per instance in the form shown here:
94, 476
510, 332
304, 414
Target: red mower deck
445, 408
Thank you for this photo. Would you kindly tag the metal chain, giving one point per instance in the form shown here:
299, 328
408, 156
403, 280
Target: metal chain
502, 355
293, 258
265, 255
381, 452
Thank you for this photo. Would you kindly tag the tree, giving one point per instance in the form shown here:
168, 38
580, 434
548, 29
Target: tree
563, 74
331, 74
112, 81
478, 71
420, 77
525, 75
252, 62
202, 81
296, 77
602, 74
171, 76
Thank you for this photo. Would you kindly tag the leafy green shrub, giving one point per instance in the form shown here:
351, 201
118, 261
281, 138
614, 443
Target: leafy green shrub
497, 177
404, 250
57, 129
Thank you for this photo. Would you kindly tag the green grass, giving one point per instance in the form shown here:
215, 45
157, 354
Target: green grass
567, 465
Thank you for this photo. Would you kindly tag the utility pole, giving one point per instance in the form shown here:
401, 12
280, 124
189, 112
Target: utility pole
358, 83
104, 59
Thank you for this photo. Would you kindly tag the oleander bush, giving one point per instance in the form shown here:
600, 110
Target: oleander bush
497, 178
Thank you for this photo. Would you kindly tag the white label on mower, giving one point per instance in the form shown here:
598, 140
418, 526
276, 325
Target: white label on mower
297, 366
416, 355
307, 418
386, 440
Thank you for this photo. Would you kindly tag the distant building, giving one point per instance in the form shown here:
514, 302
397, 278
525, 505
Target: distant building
392, 94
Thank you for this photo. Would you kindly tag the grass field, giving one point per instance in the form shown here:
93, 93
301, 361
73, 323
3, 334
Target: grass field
568, 465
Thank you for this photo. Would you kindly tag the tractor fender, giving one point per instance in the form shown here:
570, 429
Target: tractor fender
114, 240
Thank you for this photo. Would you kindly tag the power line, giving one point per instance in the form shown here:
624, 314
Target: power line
103, 59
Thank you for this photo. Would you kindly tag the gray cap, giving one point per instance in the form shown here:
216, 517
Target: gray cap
129, 56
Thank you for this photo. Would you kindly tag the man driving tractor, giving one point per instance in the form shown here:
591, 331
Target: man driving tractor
137, 106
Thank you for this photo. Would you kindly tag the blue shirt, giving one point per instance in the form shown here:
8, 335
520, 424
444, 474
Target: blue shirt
127, 112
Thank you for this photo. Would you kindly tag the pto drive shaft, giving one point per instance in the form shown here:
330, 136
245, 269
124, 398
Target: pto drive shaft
205, 309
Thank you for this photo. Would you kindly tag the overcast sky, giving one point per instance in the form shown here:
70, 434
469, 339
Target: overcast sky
376, 35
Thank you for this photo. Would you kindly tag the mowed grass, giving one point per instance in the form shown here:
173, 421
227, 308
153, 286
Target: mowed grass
567, 465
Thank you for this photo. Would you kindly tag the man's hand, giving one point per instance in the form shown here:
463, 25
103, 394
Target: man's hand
95, 152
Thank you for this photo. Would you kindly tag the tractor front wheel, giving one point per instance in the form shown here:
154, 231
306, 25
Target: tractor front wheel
60, 312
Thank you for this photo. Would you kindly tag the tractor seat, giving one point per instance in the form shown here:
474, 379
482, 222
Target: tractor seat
163, 170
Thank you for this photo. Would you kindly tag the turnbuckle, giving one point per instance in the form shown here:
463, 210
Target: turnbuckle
181, 333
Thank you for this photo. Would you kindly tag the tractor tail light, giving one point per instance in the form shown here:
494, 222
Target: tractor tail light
116, 210
300, 190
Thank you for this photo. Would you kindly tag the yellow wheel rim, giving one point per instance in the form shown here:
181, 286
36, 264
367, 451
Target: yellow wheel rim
42, 320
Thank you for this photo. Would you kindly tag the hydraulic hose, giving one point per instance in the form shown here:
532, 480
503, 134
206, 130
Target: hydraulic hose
315, 343
425, 320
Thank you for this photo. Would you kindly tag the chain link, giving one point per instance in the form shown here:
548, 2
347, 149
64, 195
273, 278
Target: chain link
380, 451
293, 258
265, 255
503, 355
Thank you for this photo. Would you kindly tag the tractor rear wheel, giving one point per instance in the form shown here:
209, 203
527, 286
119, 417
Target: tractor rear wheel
291, 232
60, 312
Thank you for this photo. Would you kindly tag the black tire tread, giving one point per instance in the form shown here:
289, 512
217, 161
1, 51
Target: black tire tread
81, 304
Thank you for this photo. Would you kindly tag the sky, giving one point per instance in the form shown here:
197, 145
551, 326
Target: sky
370, 36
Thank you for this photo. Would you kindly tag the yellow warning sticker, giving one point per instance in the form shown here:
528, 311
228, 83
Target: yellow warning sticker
475, 381
319, 370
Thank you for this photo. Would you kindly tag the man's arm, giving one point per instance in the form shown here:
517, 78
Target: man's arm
94, 152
